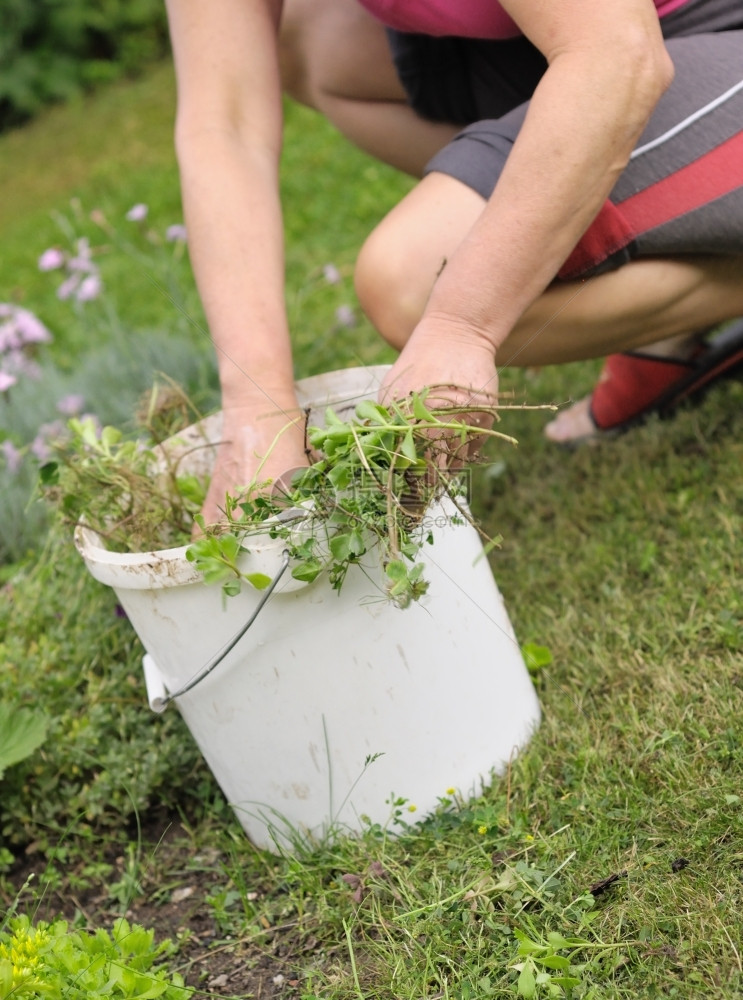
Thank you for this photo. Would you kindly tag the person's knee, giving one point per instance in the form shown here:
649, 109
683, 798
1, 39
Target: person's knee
386, 289
402, 258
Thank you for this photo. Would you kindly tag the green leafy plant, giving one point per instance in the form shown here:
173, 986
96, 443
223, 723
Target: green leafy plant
53, 961
52, 51
377, 476
544, 971
21, 732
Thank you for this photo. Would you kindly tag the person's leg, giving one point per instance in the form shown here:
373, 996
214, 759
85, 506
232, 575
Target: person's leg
336, 59
642, 302
679, 287
646, 381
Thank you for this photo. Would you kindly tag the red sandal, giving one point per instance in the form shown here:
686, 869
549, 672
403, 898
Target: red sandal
634, 386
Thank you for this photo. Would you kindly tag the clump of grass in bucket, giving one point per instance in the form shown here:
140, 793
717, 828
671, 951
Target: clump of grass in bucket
125, 488
374, 478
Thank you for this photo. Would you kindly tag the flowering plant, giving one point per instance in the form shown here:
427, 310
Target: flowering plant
53, 961
106, 362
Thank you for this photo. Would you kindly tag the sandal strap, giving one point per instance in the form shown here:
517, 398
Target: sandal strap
630, 384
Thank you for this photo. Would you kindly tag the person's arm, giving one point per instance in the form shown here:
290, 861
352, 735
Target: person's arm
607, 69
228, 143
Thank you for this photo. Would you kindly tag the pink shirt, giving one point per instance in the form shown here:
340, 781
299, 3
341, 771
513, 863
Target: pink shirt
465, 18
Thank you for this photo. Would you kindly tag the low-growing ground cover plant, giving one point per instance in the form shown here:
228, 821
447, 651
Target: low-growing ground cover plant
55, 961
40, 392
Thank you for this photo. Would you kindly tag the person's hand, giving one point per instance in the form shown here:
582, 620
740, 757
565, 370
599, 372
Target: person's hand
255, 448
457, 367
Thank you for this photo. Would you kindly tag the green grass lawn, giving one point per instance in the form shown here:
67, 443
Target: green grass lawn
618, 831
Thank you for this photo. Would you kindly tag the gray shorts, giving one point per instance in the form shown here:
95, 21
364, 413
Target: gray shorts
682, 191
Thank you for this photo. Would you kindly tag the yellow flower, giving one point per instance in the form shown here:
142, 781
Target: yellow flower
451, 791
22, 954
529, 837
482, 830
412, 808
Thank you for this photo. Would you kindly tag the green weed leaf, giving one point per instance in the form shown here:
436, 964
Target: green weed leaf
526, 945
536, 657
340, 547
308, 570
567, 982
526, 986
420, 410
553, 961
21, 732
556, 940
49, 474
407, 447
367, 409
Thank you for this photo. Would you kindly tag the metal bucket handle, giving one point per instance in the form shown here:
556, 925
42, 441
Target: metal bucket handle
156, 694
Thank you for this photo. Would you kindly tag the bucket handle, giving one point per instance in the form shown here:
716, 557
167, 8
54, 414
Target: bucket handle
159, 704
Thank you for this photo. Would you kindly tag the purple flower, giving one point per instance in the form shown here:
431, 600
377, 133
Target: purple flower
331, 274
30, 328
176, 233
137, 213
6, 381
89, 288
18, 363
70, 406
9, 338
345, 316
40, 446
51, 259
68, 287
13, 457
81, 263
40, 449
20, 328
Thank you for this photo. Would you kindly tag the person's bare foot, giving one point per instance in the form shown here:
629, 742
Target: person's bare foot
572, 424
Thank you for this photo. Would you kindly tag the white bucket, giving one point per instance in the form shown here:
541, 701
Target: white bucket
323, 682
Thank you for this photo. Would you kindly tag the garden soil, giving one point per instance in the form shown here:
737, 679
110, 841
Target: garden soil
174, 886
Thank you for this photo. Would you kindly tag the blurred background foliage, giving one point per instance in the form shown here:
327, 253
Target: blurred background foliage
53, 50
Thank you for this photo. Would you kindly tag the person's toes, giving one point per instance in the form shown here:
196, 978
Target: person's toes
573, 424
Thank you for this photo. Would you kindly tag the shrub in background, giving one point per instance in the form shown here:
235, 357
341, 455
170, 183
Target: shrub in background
51, 50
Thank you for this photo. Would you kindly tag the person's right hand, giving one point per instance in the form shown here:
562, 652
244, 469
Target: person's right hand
255, 448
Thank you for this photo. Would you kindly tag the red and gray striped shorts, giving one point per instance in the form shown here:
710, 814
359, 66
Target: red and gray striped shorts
682, 191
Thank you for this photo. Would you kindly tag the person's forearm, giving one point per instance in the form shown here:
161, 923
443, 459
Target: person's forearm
233, 218
574, 143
